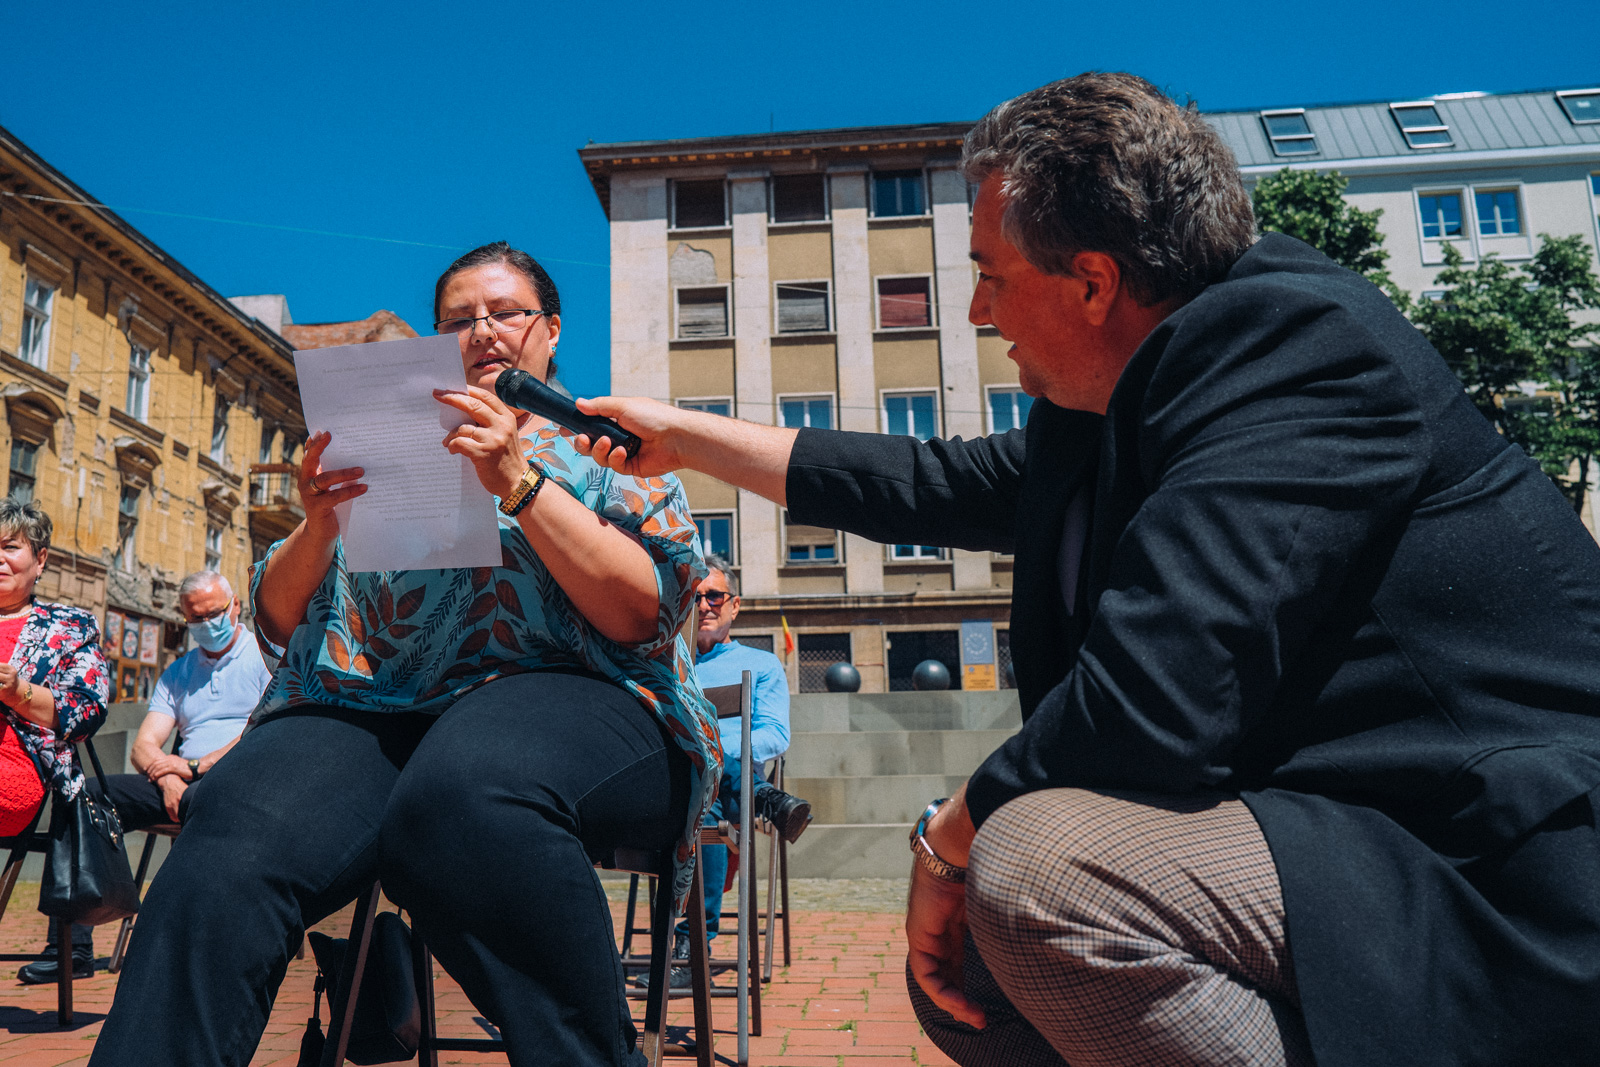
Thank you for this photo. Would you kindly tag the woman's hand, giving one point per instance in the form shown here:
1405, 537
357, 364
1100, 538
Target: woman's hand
321, 491
11, 686
35, 703
490, 440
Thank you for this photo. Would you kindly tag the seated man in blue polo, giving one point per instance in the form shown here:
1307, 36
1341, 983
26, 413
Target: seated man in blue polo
720, 660
207, 695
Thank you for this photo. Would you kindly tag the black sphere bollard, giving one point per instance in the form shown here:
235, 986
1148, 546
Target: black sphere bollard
930, 674
842, 678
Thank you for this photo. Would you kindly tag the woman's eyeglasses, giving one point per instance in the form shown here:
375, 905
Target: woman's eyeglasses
713, 599
500, 321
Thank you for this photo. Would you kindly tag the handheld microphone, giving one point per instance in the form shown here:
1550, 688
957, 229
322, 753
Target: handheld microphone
522, 390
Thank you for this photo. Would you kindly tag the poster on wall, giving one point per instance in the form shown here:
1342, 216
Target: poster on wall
977, 655
113, 635
130, 639
149, 641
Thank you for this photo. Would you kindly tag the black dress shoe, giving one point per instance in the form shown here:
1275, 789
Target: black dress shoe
678, 977
788, 813
45, 972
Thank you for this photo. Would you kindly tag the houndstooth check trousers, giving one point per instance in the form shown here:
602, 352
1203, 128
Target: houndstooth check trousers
1124, 930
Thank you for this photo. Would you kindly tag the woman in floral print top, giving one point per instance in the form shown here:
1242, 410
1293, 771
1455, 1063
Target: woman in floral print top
472, 737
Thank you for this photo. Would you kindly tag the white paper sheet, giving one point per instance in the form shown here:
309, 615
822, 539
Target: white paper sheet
424, 508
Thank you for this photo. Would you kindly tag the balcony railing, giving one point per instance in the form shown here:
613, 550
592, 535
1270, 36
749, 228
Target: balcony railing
275, 508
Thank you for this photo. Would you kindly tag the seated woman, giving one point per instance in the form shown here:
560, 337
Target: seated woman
471, 737
53, 689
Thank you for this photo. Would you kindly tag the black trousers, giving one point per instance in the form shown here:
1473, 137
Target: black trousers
479, 822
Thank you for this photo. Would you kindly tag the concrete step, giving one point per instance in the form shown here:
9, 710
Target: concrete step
834, 851
890, 752
862, 800
948, 710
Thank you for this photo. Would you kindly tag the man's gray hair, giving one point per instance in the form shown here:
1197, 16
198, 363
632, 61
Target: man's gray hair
199, 580
718, 562
27, 520
1109, 163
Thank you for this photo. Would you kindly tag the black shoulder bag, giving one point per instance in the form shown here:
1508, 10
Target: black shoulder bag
388, 1019
87, 878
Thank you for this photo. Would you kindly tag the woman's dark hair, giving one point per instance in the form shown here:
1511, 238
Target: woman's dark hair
1109, 163
517, 260
26, 520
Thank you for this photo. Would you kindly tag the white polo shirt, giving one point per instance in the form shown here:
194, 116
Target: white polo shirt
211, 699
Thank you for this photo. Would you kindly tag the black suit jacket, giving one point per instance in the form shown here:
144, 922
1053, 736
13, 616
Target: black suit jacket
1315, 578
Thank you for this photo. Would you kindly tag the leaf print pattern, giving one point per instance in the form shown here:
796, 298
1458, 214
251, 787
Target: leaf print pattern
419, 640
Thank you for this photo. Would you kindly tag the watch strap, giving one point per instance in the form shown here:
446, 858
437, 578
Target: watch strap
924, 854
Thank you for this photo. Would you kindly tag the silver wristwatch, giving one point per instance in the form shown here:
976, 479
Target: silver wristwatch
926, 857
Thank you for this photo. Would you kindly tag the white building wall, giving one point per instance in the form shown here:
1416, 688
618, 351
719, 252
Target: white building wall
641, 312
752, 362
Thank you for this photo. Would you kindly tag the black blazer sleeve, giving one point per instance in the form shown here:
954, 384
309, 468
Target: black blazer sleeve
1259, 443
898, 490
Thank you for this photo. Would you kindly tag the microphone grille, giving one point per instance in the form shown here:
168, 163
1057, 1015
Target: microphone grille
507, 383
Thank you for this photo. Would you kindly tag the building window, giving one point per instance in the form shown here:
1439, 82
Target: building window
1581, 105
24, 469
697, 205
138, 398
1421, 125
802, 307
1441, 215
37, 300
219, 430
213, 548
716, 534
915, 553
910, 413
809, 544
716, 406
1289, 132
762, 641
1497, 212
898, 193
799, 412
799, 198
1006, 672
1008, 409
904, 303
908, 648
127, 525
816, 653
703, 312
1594, 196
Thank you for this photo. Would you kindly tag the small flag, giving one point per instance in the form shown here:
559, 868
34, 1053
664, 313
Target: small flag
788, 638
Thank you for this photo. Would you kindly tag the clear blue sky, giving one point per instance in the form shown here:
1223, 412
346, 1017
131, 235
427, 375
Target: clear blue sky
451, 125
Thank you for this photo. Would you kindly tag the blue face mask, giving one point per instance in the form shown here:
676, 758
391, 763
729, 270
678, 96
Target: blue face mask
213, 635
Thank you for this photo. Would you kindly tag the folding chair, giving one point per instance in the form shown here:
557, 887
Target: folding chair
125, 929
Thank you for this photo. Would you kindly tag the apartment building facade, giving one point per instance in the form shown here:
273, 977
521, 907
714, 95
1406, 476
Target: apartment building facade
137, 400
821, 278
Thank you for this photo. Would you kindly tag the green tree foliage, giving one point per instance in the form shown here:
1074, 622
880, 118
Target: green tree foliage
1502, 329
1312, 207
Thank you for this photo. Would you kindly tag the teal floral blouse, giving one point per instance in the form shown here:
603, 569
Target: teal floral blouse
419, 640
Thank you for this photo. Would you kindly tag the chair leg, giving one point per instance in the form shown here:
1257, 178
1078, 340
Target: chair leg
628, 919
783, 879
769, 927
125, 930
422, 972
655, 1003
64, 974
753, 951
699, 967
347, 987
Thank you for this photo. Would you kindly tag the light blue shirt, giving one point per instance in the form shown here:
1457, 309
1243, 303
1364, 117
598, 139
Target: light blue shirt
769, 712
211, 699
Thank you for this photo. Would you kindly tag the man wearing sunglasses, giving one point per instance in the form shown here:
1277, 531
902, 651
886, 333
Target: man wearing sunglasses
720, 660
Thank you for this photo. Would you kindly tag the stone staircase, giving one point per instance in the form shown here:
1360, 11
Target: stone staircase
870, 762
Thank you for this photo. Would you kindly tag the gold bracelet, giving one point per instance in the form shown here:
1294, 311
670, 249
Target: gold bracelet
27, 697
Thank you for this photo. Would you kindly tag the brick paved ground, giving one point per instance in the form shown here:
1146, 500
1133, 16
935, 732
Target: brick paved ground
841, 1003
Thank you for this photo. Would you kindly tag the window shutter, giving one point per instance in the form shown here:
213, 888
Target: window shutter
702, 313
903, 302
802, 307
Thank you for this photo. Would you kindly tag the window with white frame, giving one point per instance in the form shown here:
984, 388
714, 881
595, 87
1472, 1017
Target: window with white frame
702, 312
808, 544
219, 430
1008, 409
1421, 125
799, 198
800, 412
1581, 105
912, 414
716, 405
213, 548
913, 553
1441, 215
1289, 132
127, 526
898, 193
137, 402
1594, 197
24, 469
699, 204
38, 300
1498, 213
802, 307
905, 303
716, 533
